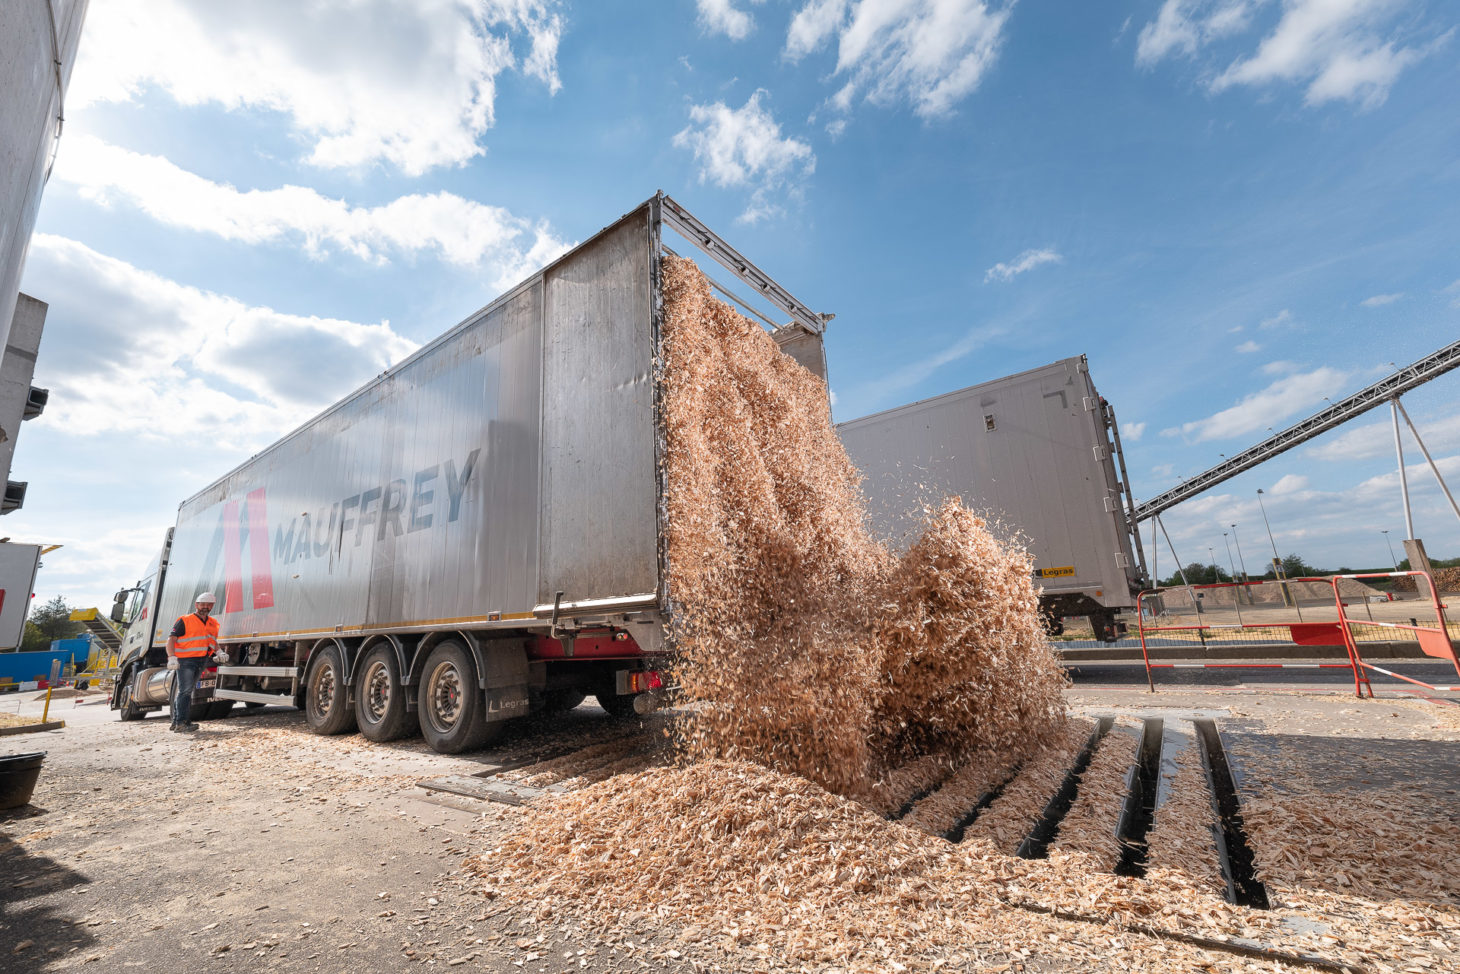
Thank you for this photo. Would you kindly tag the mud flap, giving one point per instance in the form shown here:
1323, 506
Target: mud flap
506, 679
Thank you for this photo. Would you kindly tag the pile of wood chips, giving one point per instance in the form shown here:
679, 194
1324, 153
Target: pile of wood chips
804, 643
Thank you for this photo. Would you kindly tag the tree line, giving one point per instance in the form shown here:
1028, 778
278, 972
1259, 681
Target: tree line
1294, 566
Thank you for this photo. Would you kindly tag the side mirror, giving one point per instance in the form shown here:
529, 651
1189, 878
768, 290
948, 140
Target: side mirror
119, 610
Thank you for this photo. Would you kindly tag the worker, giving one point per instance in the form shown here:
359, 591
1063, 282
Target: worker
194, 638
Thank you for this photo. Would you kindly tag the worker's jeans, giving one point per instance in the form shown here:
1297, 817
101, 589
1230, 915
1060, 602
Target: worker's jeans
189, 668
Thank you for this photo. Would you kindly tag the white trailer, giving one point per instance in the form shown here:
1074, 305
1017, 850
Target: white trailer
1038, 453
476, 534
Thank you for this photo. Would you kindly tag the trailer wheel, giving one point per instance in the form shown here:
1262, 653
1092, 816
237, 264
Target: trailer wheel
380, 700
562, 701
327, 707
617, 704
128, 710
450, 706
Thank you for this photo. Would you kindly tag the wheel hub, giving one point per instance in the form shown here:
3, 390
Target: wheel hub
377, 691
444, 694
324, 690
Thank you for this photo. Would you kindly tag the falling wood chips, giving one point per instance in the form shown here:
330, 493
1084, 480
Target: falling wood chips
809, 646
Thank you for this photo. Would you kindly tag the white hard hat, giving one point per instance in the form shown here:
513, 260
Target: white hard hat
205, 597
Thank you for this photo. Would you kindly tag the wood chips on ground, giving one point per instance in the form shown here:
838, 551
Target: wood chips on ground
1181, 846
1089, 827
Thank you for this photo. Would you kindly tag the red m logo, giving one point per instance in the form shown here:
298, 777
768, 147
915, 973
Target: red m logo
256, 527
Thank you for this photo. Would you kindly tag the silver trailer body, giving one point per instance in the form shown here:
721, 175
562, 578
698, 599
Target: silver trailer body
510, 459
38, 41
1034, 451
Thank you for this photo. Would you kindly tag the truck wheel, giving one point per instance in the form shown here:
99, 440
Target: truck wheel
218, 709
128, 710
617, 704
450, 706
327, 707
562, 701
380, 700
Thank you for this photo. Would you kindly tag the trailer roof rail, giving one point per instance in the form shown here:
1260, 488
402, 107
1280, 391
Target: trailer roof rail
689, 227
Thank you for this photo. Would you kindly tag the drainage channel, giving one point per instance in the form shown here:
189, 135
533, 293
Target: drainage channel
1233, 852
1036, 843
959, 829
1139, 811
918, 796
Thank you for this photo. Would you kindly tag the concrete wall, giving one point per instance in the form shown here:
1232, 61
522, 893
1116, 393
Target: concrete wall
30, 106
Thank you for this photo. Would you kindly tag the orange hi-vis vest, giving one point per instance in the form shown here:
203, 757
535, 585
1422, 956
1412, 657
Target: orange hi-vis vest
199, 638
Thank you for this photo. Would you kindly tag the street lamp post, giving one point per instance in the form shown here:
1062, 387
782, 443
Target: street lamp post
1392, 560
1240, 560
1277, 563
1216, 569
1237, 591
1277, 560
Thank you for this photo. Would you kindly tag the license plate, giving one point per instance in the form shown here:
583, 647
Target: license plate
207, 683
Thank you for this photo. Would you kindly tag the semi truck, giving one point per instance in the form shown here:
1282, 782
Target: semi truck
1039, 453
476, 534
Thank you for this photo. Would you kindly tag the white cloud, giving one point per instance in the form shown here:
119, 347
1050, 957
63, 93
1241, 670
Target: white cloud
929, 54
1453, 288
1026, 261
133, 353
1334, 46
459, 231
1248, 347
1279, 320
1182, 27
905, 377
1289, 484
1283, 398
1341, 50
743, 147
1379, 300
1133, 431
723, 17
1279, 367
1372, 440
812, 25
412, 83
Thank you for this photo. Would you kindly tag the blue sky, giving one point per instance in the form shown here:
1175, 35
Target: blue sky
1234, 207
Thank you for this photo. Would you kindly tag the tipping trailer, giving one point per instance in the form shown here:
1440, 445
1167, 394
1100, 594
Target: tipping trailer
1038, 452
478, 533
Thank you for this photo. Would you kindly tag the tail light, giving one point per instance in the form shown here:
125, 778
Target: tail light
645, 680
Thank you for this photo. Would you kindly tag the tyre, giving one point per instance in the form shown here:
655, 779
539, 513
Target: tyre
380, 700
128, 710
217, 709
252, 705
327, 707
562, 701
617, 704
451, 708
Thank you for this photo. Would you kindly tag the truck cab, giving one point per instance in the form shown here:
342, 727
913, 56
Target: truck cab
144, 680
